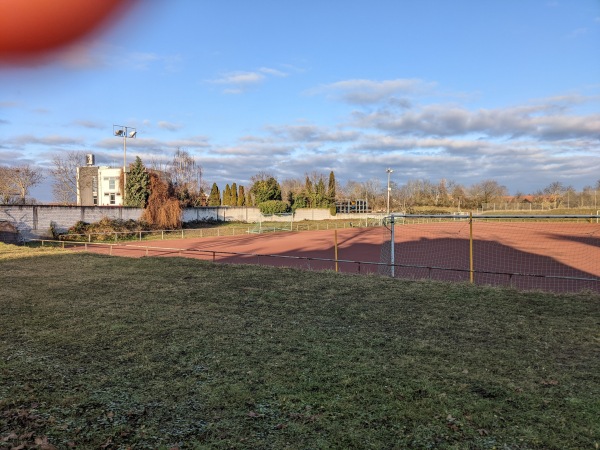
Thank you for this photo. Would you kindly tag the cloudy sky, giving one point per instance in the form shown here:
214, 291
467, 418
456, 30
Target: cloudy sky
463, 90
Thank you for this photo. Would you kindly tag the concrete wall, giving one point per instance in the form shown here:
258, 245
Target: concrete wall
33, 221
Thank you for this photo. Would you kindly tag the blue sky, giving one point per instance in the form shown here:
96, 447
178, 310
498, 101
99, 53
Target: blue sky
463, 90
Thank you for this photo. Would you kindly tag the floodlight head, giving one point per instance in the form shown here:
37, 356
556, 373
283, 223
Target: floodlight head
119, 132
132, 134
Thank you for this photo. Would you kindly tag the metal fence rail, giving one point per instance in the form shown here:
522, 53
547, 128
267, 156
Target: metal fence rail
301, 262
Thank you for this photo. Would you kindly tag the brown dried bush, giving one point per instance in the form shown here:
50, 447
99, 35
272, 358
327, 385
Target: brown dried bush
163, 210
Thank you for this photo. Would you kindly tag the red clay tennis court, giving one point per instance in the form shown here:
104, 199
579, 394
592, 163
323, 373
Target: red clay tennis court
554, 256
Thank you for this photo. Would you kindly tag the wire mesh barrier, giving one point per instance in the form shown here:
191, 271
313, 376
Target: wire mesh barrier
218, 256
554, 253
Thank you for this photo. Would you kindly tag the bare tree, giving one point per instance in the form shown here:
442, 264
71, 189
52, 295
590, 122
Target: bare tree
185, 175
184, 171
487, 191
291, 188
15, 182
7, 189
64, 171
554, 192
261, 176
458, 194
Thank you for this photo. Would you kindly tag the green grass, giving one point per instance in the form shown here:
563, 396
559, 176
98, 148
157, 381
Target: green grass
101, 352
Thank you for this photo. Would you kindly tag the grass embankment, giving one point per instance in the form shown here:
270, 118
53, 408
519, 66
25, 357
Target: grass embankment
130, 230
101, 352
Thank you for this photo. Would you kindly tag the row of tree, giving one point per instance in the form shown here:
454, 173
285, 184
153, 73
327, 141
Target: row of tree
184, 179
232, 196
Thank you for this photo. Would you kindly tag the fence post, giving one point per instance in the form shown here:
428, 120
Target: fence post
335, 240
471, 247
392, 246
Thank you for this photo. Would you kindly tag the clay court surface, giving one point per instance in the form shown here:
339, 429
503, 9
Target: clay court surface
551, 256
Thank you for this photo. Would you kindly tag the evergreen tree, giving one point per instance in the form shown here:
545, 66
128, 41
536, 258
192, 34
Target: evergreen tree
249, 201
214, 199
227, 196
234, 195
137, 189
320, 196
241, 196
265, 190
331, 189
308, 193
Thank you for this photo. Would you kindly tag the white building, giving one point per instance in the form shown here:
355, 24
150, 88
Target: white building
99, 186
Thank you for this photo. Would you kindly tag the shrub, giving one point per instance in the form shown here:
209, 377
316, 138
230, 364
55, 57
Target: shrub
163, 210
274, 207
80, 227
53, 231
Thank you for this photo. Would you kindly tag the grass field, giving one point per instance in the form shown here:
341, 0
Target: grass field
103, 352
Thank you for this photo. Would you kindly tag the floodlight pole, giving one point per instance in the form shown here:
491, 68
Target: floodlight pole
126, 132
389, 171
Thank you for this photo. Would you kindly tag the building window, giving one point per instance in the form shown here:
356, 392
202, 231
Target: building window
112, 183
112, 199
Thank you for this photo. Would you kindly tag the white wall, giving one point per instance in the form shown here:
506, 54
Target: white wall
33, 221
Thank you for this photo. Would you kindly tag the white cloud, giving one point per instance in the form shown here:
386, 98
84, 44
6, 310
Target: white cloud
169, 126
90, 124
240, 81
52, 140
311, 133
240, 78
363, 92
274, 72
536, 121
